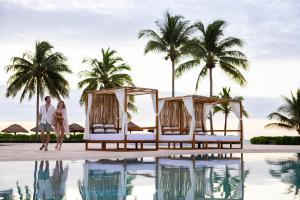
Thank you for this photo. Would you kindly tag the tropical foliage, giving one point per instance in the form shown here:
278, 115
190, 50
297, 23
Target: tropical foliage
215, 51
109, 72
225, 107
37, 73
172, 39
287, 115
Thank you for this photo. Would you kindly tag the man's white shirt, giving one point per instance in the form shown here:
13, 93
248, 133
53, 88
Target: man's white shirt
47, 116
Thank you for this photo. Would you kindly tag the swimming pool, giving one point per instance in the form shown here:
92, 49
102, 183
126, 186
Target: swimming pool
205, 176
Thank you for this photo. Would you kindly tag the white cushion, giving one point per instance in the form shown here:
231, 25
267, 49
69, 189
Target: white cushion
229, 138
175, 138
98, 130
97, 125
107, 137
206, 138
109, 126
110, 130
141, 136
216, 138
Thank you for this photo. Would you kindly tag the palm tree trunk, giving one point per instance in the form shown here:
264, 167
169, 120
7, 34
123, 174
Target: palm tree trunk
173, 78
37, 110
211, 94
34, 180
225, 125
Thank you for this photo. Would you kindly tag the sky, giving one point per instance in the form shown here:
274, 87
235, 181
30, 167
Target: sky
270, 30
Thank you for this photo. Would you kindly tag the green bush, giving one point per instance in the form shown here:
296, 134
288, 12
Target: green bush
19, 138
280, 140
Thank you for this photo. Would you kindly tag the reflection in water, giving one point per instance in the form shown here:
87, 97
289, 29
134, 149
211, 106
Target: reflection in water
165, 178
51, 187
288, 171
45, 185
175, 178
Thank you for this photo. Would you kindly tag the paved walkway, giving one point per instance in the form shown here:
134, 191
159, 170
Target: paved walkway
29, 151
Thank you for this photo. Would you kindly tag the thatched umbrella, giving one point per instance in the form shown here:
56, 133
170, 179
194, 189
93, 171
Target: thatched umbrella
34, 129
76, 128
15, 128
133, 127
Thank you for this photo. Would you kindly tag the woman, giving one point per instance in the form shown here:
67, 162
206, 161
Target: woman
61, 126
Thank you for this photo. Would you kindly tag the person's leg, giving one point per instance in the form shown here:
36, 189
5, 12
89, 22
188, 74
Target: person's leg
48, 130
42, 128
62, 134
56, 129
47, 141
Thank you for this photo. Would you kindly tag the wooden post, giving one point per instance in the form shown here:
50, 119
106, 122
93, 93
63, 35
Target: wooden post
125, 108
180, 117
241, 125
194, 136
156, 122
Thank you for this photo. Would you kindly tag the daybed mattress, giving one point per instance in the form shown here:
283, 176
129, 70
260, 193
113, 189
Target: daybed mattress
175, 138
141, 136
212, 138
106, 137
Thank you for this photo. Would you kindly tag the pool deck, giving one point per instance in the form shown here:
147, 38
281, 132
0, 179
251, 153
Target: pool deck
29, 151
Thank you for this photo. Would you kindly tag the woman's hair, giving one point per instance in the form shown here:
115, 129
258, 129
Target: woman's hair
64, 107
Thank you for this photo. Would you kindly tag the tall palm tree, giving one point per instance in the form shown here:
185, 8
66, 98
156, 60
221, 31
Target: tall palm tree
172, 39
215, 51
225, 107
109, 72
37, 73
288, 114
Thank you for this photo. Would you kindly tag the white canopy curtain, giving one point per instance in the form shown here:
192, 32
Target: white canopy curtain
87, 117
206, 109
236, 109
161, 104
189, 105
120, 94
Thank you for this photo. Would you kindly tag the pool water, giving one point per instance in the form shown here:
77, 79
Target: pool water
186, 177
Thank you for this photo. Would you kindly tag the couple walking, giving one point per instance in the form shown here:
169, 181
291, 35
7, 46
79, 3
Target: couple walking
48, 117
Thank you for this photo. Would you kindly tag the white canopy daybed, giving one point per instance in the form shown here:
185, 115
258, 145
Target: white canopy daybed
182, 120
235, 137
106, 118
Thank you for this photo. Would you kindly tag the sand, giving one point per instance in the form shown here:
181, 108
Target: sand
29, 151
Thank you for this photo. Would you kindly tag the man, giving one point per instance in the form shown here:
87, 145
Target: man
46, 120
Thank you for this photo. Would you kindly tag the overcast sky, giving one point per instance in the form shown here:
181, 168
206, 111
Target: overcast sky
79, 29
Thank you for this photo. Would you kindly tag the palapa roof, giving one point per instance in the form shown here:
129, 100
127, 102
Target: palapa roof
129, 90
15, 128
200, 99
34, 129
76, 128
133, 127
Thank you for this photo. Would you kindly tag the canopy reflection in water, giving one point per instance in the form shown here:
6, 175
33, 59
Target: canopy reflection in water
193, 177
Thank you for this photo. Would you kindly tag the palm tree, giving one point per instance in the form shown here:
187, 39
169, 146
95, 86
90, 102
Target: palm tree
37, 73
215, 50
172, 39
225, 107
109, 72
288, 114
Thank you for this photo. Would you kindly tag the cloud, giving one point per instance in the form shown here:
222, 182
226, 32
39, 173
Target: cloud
270, 29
